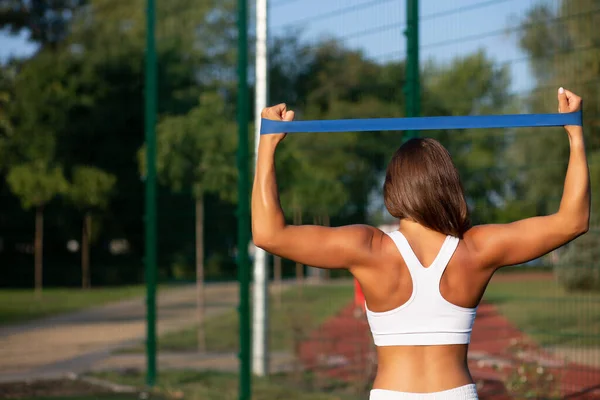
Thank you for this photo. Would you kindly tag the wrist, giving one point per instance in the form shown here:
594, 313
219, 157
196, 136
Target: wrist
574, 130
267, 146
576, 138
270, 140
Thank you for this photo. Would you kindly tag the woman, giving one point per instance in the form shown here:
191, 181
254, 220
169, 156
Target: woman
423, 283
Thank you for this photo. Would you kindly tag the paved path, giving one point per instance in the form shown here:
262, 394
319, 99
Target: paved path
75, 342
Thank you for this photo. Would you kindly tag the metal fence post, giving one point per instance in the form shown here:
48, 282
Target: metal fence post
413, 85
243, 203
150, 217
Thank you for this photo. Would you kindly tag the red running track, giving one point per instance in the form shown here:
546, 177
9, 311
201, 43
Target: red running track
342, 348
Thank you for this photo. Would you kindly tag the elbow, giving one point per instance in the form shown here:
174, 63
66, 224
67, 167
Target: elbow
580, 227
576, 225
266, 235
260, 241
264, 240
583, 227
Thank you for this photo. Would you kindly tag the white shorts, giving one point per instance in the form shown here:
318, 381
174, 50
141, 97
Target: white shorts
467, 392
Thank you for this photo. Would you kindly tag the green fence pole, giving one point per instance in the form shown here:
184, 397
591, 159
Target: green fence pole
243, 203
150, 217
413, 85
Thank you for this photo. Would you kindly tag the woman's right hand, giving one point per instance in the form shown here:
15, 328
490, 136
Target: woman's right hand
569, 102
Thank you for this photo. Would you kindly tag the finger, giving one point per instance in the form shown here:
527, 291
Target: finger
274, 112
289, 116
563, 102
279, 109
570, 95
573, 98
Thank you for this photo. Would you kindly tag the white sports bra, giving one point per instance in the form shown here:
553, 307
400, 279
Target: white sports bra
426, 318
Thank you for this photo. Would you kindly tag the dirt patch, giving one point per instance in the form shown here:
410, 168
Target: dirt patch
50, 388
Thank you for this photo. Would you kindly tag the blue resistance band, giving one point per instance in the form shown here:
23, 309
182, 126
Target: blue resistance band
423, 123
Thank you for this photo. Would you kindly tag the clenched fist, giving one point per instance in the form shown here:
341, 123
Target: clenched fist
277, 113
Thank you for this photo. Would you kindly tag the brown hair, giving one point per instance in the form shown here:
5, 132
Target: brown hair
422, 184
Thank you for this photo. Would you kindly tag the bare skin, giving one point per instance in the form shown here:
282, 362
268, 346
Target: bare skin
372, 257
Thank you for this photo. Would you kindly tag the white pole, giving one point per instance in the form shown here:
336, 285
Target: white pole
260, 349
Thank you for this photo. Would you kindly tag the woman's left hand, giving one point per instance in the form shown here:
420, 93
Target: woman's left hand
277, 113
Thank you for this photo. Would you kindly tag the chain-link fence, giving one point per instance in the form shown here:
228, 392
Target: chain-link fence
71, 193
536, 334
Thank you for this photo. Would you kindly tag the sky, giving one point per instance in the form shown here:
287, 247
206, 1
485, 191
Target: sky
448, 29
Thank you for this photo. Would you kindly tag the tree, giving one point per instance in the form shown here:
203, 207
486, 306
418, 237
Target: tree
561, 42
197, 151
312, 172
330, 82
340, 175
89, 191
562, 45
77, 101
479, 155
194, 54
46, 20
35, 184
41, 98
7, 77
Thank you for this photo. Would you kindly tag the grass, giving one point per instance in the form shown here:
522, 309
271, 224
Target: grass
92, 397
18, 305
64, 389
301, 311
549, 314
191, 385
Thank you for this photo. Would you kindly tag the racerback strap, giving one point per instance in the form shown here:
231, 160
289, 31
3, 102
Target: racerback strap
412, 261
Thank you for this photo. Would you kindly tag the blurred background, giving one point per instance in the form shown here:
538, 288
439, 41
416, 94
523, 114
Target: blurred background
73, 169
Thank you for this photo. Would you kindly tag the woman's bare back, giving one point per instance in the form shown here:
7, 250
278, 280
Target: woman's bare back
388, 285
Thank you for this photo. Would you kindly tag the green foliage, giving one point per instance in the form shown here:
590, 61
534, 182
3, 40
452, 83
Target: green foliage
195, 43
77, 103
48, 21
91, 188
561, 42
314, 171
579, 267
45, 91
197, 150
549, 31
7, 77
342, 173
36, 184
479, 156
333, 174
482, 85
528, 377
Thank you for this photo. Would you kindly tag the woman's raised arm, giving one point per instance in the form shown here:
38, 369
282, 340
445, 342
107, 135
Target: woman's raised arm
528, 239
317, 246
